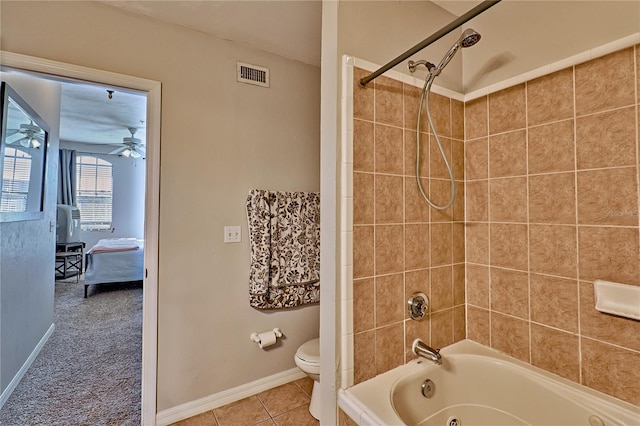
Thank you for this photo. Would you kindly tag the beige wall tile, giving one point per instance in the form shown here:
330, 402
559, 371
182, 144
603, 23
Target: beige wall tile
389, 249
389, 145
507, 109
459, 290
389, 191
410, 153
363, 245
362, 96
459, 324
550, 98
510, 335
389, 302
441, 244
607, 139
508, 154
388, 101
416, 208
441, 288
605, 83
437, 167
457, 119
609, 253
554, 302
440, 194
608, 197
457, 159
442, 328
459, 255
440, 108
363, 301
508, 199
477, 250
555, 351
551, 148
363, 198
552, 198
477, 195
478, 325
363, 146
553, 250
611, 370
509, 247
477, 159
476, 118
364, 356
389, 347
411, 103
416, 246
459, 202
510, 292
478, 285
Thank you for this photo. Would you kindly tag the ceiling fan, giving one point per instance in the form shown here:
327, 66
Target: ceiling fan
133, 147
32, 135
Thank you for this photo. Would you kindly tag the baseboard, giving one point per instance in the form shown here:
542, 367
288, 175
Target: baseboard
23, 370
190, 409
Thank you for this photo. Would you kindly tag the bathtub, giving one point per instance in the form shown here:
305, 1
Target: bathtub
476, 385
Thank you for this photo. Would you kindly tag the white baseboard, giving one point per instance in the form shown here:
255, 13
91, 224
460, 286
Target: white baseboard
190, 409
23, 370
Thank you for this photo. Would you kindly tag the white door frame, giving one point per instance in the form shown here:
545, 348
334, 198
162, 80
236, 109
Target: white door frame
54, 69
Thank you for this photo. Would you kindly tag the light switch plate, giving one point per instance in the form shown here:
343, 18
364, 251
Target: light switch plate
232, 234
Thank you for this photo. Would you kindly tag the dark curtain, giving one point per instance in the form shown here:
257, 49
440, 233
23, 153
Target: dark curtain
67, 177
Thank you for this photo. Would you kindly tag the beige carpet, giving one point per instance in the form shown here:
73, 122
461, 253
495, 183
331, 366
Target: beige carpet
89, 372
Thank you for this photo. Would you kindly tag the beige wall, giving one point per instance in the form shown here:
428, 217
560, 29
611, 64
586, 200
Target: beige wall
551, 173
219, 139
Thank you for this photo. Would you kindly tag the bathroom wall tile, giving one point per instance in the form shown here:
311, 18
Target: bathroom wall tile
507, 109
389, 303
609, 253
416, 330
551, 148
598, 325
441, 288
389, 347
477, 195
508, 199
552, 198
440, 194
440, 107
554, 302
555, 351
611, 370
550, 98
363, 140
510, 335
458, 243
388, 101
363, 198
246, 411
459, 324
389, 191
363, 245
457, 119
411, 104
364, 356
605, 83
478, 285
410, 153
459, 291
478, 325
457, 159
608, 197
553, 250
477, 159
283, 398
508, 154
510, 292
442, 328
389, 145
476, 119
607, 139
437, 167
389, 249
416, 246
362, 97
441, 244
417, 281
363, 301
415, 208
459, 202
509, 245
477, 250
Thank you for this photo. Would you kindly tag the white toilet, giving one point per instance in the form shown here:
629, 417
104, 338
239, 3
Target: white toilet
308, 360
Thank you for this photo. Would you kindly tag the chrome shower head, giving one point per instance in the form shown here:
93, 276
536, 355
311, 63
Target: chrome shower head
468, 38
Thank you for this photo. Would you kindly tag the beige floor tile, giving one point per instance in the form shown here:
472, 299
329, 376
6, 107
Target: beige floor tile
204, 419
283, 398
306, 384
246, 412
297, 417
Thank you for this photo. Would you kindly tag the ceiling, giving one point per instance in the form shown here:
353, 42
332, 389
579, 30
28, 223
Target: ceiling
292, 29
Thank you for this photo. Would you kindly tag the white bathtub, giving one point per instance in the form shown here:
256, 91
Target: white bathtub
476, 385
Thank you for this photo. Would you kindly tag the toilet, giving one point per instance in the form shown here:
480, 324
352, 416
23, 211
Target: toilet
308, 360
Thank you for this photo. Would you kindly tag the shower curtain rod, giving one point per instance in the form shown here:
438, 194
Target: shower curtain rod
472, 13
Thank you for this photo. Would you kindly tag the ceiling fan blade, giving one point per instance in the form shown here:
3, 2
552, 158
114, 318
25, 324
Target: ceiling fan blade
11, 132
17, 141
118, 150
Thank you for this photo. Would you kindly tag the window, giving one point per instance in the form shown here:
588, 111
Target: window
94, 192
16, 171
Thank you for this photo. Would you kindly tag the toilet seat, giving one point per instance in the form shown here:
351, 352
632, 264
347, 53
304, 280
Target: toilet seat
308, 356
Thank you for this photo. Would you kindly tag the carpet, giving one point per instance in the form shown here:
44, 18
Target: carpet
89, 372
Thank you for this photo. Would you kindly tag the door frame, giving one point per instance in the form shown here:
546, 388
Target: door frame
59, 70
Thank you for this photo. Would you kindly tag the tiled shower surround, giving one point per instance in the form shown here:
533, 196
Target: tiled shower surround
547, 176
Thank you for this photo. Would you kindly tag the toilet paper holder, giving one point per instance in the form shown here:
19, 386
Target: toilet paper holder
255, 337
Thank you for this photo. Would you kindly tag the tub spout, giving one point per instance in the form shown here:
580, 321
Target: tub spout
421, 349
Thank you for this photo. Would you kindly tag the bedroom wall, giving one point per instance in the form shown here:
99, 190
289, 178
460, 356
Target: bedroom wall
220, 138
128, 194
27, 247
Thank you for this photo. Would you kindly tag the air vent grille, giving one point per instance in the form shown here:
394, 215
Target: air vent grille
253, 74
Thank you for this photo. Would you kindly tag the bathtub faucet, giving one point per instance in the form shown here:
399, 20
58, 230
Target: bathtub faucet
422, 349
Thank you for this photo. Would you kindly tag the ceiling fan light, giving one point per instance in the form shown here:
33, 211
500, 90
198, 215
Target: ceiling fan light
135, 154
35, 143
127, 152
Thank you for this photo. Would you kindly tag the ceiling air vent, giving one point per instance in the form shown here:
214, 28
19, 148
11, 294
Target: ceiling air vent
253, 74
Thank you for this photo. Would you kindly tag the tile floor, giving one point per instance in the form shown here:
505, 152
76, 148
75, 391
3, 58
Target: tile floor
282, 406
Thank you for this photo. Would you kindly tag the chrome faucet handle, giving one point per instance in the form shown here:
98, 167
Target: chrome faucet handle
418, 306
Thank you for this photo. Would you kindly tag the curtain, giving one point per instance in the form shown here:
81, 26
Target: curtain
67, 177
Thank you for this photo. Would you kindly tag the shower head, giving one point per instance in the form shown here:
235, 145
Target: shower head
468, 38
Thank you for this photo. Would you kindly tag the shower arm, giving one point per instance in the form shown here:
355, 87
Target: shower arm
433, 37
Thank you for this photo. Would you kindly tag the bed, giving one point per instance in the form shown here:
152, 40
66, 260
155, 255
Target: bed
114, 260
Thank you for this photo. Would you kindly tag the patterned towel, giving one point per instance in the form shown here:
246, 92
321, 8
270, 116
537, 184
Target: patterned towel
284, 236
